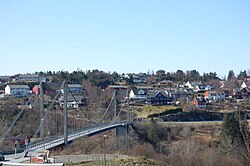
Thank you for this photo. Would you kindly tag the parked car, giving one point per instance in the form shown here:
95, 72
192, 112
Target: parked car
2, 158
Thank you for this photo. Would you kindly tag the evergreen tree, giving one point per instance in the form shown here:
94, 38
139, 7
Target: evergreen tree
242, 75
233, 133
231, 75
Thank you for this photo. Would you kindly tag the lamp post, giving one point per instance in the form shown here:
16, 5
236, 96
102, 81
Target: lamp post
104, 151
16, 149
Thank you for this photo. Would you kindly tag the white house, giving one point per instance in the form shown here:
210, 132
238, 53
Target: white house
17, 90
192, 85
139, 93
73, 101
245, 85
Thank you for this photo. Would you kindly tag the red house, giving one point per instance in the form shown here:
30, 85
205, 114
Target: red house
35, 89
47, 89
199, 102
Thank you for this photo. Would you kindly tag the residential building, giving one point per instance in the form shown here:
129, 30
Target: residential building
245, 85
214, 95
165, 83
139, 93
17, 90
48, 88
138, 78
199, 102
74, 88
73, 101
245, 92
192, 85
237, 94
180, 95
4, 79
29, 78
157, 97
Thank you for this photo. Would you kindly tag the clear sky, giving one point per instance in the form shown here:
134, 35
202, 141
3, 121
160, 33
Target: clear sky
124, 35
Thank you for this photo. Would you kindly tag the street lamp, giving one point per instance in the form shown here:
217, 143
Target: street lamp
104, 150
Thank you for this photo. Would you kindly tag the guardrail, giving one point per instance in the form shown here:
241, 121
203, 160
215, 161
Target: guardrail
59, 140
27, 164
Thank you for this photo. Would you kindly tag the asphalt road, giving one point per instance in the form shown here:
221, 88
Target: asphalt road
81, 158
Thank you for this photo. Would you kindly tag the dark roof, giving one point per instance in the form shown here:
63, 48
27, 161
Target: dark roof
144, 87
74, 86
166, 82
153, 93
19, 86
117, 87
71, 98
28, 75
200, 99
52, 86
237, 90
4, 77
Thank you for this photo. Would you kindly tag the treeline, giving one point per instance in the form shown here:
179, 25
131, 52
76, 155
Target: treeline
103, 79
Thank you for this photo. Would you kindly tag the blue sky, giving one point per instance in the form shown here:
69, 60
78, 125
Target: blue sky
124, 35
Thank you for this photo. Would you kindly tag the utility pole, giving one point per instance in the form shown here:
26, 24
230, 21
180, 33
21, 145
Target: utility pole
41, 110
65, 110
104, 151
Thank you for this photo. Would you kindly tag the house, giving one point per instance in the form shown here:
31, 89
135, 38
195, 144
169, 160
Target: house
74, 88
73, 101
157, 98
245, 92
177, 94
4, 79
17, 90
200, 88
48, 88
189, 91
245, 85
139, 93
165, 83
199, 102
180, 94
139, 78
209, 87
192, 85
237, 94
214, 95
29, 78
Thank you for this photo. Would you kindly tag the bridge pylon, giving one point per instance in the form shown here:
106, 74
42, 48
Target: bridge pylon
42, 120
65, 110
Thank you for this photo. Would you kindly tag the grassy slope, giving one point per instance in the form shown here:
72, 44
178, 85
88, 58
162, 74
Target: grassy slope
131, 161
144, 111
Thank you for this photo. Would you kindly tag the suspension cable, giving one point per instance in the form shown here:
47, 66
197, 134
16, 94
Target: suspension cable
46, 113
121, 108
3, 136
95, 123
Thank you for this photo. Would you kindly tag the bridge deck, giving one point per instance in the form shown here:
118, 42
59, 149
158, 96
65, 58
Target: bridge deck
59, 140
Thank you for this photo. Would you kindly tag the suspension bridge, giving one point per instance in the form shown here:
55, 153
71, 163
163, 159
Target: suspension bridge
50, 120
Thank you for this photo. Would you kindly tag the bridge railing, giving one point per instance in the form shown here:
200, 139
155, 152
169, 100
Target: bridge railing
58, 140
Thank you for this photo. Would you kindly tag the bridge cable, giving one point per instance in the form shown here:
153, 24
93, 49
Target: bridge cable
95, 123
4, 135
46, 113
121, 108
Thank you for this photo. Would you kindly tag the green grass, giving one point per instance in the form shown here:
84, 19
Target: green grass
145, 111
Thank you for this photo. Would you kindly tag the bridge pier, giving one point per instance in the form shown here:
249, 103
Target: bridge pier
120, 135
